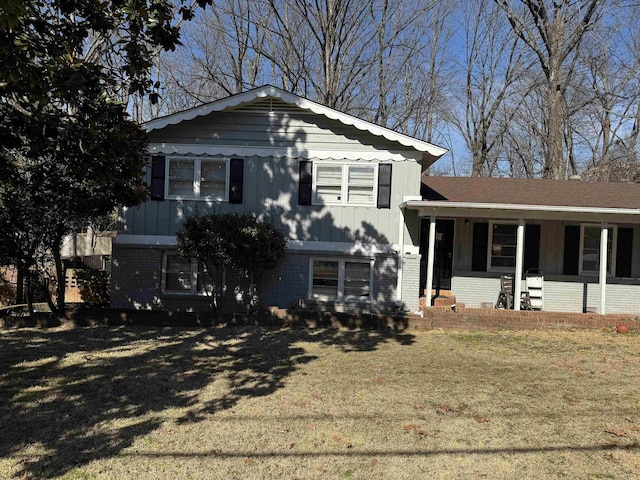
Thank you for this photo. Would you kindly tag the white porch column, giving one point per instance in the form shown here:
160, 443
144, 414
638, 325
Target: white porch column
401, 257
604, 233
517, 284
430, 259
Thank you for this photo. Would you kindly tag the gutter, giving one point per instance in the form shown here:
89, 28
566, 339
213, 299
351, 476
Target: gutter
427, 204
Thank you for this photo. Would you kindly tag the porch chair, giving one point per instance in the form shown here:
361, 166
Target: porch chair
505, 297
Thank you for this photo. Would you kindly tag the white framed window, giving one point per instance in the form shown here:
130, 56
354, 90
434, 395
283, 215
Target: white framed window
340, 278
502, 246
197, 178
183, 276
345, 183
590, 249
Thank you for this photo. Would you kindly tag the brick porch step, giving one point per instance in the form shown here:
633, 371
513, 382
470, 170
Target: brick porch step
439, 301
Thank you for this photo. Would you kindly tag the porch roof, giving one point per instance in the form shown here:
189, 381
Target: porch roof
528, 198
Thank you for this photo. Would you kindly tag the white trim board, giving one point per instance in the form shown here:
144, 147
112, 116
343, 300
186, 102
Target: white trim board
433, 206
526, 212
349, 248
288, 152
302, 103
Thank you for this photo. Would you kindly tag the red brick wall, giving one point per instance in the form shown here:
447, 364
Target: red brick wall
487, 319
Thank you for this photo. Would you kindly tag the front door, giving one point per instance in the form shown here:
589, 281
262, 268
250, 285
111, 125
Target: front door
443, 258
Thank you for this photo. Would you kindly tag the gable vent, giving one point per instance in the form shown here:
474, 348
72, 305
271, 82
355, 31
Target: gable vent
271, 105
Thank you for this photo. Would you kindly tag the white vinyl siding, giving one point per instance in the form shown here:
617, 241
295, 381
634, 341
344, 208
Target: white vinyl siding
338, 278
344, 184
197, 178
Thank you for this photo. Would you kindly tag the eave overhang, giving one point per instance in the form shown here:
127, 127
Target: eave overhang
430, 152
510, 211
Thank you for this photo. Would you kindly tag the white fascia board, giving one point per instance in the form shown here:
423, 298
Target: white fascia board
271, 91
346, 248
428, 205
266, 151
146, 240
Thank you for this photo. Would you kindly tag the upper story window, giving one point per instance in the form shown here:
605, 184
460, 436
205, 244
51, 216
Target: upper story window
590, 249
197, 178
502, 246
344, 184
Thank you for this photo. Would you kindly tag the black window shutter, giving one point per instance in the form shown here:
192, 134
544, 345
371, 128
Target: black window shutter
531, 247
305, 182
571, 250
236, 177
480, 241
624, 251
157, 177
384, 185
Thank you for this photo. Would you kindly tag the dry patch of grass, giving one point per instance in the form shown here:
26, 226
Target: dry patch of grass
260, 403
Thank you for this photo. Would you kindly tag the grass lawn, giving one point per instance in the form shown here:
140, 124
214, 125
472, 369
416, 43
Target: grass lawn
248, 403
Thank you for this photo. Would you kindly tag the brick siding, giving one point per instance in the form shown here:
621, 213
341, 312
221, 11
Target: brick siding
137, 280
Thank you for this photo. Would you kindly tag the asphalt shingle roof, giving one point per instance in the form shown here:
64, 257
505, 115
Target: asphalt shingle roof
524, 191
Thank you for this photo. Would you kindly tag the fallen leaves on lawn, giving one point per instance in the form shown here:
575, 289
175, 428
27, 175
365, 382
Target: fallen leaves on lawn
410, 427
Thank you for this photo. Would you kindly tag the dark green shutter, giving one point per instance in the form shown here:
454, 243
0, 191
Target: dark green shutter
480, 243
624, 252
305, 182
571, 250
157, 177
384, 185
236, 180
531, 247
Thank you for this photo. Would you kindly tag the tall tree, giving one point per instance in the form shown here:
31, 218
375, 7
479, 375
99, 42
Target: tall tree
554, 31
69, 153
334, 54
495, 67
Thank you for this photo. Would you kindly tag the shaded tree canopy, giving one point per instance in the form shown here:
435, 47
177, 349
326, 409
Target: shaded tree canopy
68, 151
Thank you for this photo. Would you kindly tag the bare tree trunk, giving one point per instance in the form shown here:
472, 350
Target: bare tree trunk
554, 32
61, 274
19, 283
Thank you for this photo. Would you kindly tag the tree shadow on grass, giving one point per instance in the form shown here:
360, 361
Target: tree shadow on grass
68, 397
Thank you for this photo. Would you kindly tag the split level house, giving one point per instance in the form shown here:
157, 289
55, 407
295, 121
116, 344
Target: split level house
364, 226
332, 183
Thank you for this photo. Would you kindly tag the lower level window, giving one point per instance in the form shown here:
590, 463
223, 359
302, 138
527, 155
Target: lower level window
341, 278
183, 276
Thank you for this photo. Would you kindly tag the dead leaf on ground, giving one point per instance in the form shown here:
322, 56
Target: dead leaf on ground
410, 427
447, 409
